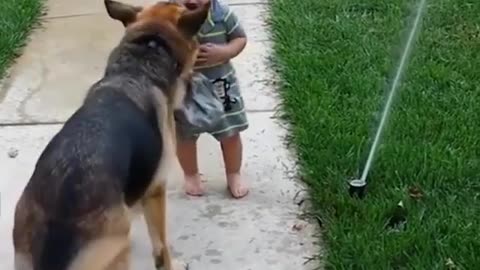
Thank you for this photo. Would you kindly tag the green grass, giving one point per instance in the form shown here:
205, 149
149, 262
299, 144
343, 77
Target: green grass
335, 58
17, 18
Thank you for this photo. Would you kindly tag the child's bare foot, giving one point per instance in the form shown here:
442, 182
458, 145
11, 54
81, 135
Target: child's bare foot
193, 185
237, 186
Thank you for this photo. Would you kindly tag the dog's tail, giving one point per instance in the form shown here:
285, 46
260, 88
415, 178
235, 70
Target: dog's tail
56, 247
100, 254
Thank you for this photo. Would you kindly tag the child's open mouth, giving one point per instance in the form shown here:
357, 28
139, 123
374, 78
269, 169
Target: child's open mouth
191, 6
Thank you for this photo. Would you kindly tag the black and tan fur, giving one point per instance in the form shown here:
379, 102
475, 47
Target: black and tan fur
114, 153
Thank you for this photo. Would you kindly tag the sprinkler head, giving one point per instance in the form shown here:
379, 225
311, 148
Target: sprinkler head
357, 188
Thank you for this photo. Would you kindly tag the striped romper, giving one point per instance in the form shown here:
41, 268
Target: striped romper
222, 77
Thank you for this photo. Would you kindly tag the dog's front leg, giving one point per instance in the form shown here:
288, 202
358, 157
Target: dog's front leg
155, 216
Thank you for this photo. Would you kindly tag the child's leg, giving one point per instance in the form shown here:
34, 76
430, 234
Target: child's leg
187, 156
232, 156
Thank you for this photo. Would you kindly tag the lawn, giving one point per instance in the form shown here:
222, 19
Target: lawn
336, 58
17, 18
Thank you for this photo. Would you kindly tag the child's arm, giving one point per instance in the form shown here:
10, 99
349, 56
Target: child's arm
213, 54
236, 36
235, 47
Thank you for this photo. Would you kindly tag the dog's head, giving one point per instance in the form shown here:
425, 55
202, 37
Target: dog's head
167, 26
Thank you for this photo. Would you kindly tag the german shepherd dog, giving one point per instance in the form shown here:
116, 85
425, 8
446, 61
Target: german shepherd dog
115, 152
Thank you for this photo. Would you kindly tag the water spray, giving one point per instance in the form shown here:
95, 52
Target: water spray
358, 186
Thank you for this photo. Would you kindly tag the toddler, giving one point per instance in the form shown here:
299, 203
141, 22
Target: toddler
222, 38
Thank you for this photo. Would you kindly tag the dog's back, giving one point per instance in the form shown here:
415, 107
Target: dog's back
105, 155
75, 211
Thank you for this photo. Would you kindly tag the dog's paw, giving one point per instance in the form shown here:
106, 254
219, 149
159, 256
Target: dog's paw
159, 265
176, 264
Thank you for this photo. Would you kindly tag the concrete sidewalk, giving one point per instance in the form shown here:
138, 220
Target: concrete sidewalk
214, 232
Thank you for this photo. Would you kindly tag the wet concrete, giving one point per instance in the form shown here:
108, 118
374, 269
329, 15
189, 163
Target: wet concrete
214, 232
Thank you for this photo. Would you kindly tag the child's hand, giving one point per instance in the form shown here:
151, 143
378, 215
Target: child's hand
212, 54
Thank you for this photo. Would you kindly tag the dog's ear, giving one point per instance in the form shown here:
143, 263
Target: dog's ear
125, 13
191, 20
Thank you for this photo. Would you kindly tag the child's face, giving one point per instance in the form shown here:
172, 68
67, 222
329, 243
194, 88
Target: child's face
192, 4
